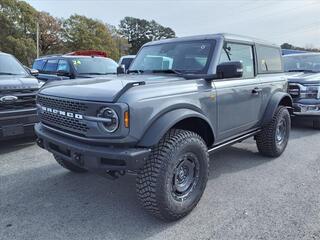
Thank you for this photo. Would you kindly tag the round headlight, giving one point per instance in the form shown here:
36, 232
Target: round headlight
112, 120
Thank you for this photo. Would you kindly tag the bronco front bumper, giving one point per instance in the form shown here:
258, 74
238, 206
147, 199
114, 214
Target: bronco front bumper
89, 156
307, 108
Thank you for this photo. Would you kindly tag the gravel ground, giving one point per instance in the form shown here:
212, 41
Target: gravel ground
247, 197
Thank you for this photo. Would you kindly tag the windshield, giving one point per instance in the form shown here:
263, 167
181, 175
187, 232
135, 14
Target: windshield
10, 66
302, 62
183, 57
95, 65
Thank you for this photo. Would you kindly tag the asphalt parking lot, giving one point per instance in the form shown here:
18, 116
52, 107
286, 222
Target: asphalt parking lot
247, 197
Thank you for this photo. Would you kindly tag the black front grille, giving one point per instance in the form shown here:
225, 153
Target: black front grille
26, 99
294, 91
71, 124
59, 121
62, 104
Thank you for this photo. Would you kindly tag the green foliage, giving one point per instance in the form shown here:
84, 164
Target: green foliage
17, 31
140, 31
290, 46
82, 33
50, 34
18, 23
23, 48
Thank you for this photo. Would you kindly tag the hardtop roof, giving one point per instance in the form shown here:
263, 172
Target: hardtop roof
66, 56
226, 36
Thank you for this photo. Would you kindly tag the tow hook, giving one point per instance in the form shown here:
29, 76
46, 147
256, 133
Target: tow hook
40, 142
78, 159
115, 174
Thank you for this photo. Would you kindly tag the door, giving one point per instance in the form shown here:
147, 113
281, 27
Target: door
238, 100
49, 71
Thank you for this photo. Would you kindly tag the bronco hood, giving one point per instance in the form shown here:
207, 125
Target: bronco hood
304, 78
11, 82
108, 89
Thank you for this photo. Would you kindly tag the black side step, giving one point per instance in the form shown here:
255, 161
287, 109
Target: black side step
233, 141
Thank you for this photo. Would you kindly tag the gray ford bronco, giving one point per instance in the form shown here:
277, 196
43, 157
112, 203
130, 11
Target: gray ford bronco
180, 100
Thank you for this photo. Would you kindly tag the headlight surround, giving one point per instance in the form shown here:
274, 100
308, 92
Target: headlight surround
112, 119
311, 91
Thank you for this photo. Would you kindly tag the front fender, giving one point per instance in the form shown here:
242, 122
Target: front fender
165, 122
279, 98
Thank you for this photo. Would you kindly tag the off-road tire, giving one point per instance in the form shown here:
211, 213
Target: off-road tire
266, 139
67, 165
155, 180
316, 124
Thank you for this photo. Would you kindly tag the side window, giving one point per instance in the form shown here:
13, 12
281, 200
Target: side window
51, 66
63, 65
242, 53
269, 59
38, 64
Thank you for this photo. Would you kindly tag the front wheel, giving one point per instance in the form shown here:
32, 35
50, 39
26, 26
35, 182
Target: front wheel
173, 180
274, 137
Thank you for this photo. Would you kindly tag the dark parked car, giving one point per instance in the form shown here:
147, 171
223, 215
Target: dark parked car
304, 85
18, 90
182, 99
73, 66
126, 61
292, 51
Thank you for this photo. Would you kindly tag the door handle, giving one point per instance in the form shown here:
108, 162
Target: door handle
256, 91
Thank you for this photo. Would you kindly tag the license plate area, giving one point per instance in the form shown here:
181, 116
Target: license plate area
12, 130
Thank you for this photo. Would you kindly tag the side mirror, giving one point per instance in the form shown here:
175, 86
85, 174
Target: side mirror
34, 72
62, 73
230, 70
121, 69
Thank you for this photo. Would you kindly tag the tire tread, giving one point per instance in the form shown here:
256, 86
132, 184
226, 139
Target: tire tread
155, 166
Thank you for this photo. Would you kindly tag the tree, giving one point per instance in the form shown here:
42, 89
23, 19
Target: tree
82, 33
140, 31
121, 42
309, 48
50, 34
287, 46
18, 29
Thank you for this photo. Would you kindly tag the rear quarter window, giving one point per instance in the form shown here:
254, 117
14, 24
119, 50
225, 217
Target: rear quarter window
269, 59
51, 66
38, 64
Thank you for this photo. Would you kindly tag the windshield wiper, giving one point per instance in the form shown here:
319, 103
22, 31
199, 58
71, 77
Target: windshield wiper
302, 70
167, 71
135, 71
96, 73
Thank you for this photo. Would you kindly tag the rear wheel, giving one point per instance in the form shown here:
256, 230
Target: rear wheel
173, 180
316, 124
68, 165
274, 137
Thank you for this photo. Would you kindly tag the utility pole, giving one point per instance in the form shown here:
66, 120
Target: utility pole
38, 36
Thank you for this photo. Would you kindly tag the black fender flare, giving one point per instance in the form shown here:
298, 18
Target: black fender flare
166, 121
279, 98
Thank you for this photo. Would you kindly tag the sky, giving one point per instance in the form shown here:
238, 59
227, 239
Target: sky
278, 21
